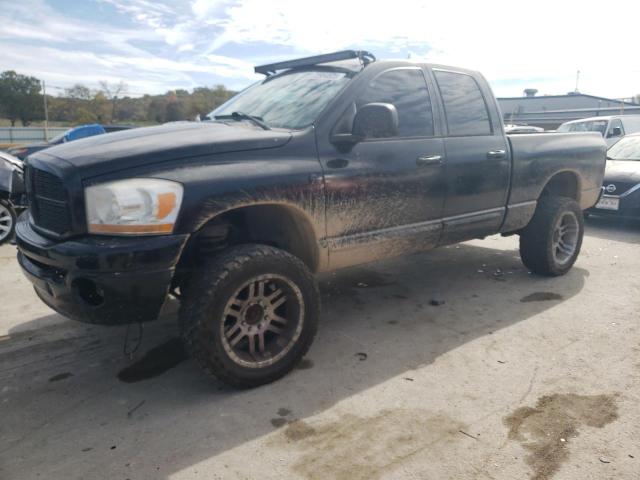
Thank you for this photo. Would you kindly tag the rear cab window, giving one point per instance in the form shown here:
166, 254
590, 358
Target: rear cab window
465, 108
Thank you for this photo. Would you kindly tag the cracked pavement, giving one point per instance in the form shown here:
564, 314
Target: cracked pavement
456, 363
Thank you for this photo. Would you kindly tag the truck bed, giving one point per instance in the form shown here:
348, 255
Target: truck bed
535, 159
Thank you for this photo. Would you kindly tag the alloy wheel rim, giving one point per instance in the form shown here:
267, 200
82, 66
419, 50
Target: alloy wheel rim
6, 222
565, 238
262, 321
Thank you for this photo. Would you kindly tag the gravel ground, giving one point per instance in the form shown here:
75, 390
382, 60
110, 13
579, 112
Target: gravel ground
453, 364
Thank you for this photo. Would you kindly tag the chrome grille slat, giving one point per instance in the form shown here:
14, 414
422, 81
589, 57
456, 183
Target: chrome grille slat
49, 202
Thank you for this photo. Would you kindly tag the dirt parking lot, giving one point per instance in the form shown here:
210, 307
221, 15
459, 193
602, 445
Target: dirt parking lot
454, 364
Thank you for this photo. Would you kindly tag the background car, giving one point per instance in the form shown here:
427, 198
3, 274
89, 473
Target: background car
12, 191
612, 127
621, 180
75, 133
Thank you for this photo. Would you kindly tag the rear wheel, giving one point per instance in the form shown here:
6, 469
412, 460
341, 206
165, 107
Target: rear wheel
550, 244
7, 221
250, 314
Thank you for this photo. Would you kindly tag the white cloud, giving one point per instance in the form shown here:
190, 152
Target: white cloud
210, 8
515, 45
505, 40
64, 51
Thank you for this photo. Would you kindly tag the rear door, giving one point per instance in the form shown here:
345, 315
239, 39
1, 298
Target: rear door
478, 166
385, 195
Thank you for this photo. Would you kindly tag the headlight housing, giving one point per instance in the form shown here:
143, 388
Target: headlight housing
147, 206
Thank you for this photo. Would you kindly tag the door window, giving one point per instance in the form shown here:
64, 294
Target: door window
406, 89
464, 105
615, 123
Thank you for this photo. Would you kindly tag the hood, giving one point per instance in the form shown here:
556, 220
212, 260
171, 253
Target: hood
25, 150
622, 171
142, 146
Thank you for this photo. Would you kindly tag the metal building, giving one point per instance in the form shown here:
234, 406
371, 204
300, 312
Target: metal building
549, 111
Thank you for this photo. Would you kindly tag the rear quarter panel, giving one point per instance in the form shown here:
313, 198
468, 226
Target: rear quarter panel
539, 157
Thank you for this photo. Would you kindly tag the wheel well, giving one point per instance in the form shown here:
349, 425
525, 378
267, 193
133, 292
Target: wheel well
563, 184
280, 226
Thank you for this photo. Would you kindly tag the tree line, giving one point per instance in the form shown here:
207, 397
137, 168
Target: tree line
21, 100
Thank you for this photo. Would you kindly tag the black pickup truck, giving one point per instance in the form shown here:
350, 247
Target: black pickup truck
330, 161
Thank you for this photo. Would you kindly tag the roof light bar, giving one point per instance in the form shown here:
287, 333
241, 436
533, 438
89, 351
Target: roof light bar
272, 68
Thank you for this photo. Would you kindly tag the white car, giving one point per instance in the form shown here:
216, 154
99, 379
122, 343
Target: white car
612, 127
11, 194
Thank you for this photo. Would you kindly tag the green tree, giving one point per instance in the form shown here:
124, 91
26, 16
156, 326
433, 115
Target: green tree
20, 98
174, 110
84, 115
112, 92
79, 104
204, 99
78, 91
157, 109
101, 108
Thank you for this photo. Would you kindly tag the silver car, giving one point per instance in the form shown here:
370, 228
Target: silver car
612, 127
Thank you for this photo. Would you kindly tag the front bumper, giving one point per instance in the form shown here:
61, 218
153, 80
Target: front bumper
628, 204
103, 280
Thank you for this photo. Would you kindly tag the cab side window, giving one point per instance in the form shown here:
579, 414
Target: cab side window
406, 89
615, 128
464, 105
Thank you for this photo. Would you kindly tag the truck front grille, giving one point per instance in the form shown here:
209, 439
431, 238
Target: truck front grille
49, 202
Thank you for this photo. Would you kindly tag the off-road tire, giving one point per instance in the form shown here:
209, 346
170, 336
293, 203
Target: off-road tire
209, 289
10, 213
537, 238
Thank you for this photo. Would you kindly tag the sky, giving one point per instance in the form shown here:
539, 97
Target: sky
160, 45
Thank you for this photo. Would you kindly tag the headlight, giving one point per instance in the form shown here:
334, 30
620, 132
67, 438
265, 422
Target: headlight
135, 206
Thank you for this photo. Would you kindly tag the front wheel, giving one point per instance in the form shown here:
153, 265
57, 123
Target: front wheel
250, 314
7, 221
550, 244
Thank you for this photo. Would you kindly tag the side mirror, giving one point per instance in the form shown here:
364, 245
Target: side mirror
376, 120
373, 120
615, 132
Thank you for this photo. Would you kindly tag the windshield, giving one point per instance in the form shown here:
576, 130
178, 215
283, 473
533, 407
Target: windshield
293, 100
59, 138
628, 148
589, 126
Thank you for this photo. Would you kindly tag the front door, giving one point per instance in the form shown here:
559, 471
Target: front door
385, 195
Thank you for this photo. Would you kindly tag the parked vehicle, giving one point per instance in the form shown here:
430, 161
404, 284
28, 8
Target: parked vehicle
12, 199
621, 180
612, 128
330, 161
75, 133
508, 129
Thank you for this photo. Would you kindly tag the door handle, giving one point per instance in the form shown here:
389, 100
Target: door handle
425, 160
496, 154
337, 163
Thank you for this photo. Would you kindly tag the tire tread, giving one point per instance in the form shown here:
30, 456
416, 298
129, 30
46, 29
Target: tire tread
201, 290
535, 238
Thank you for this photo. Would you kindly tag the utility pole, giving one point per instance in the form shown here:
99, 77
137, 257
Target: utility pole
577, 80
46, 113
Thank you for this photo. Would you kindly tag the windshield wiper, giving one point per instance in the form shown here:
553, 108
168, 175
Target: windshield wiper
245, 116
